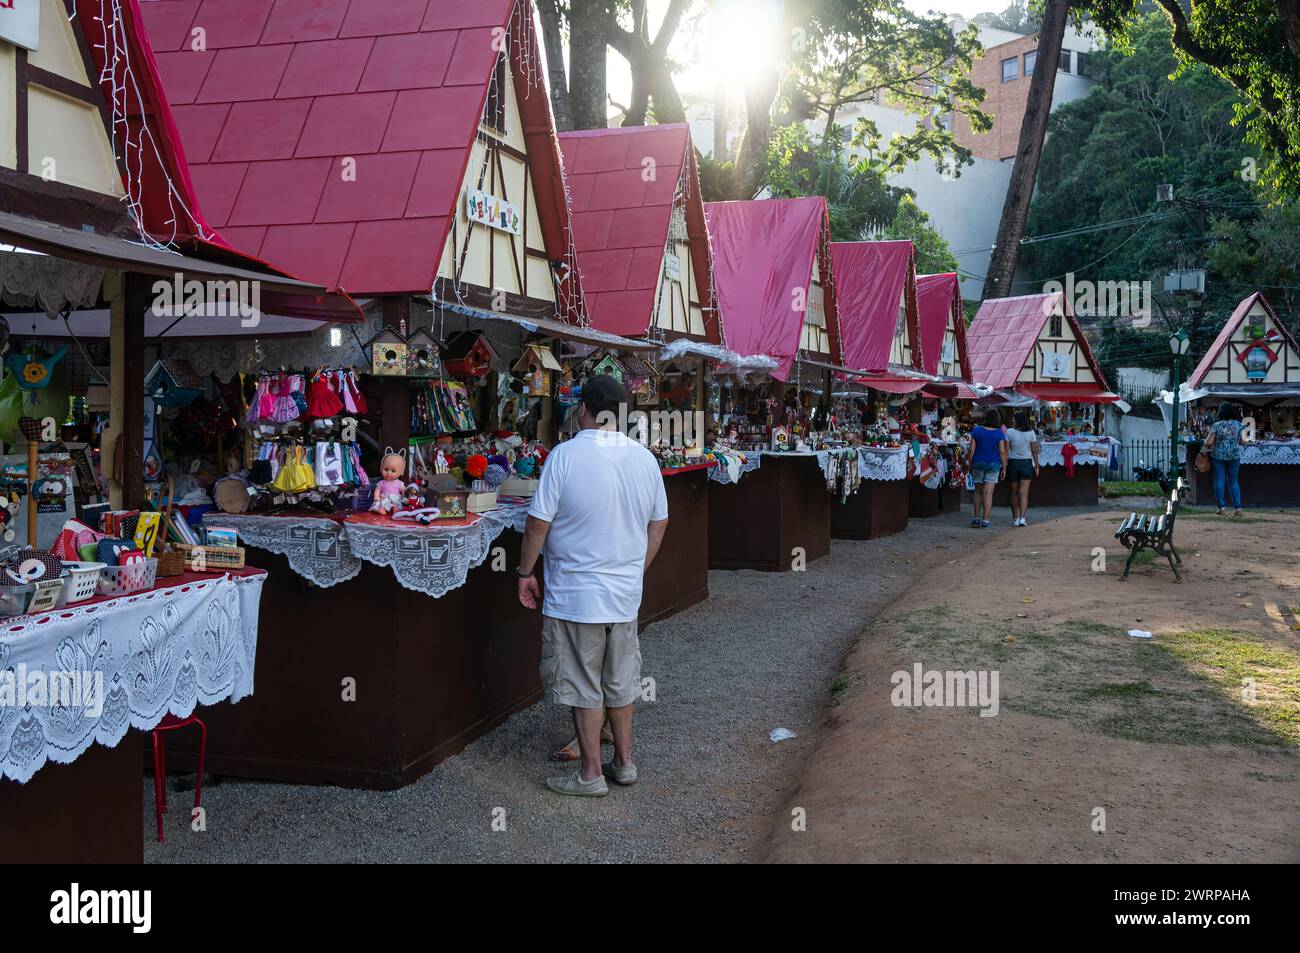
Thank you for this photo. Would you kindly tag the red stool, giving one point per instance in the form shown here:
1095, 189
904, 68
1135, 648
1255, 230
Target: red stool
168, 723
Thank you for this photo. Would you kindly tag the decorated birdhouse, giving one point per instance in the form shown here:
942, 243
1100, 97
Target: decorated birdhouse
536, 364
422, 355
610, 365
468, 354
173, 383
388, 353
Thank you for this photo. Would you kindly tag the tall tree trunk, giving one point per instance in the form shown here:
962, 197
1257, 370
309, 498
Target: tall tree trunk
1033, 130
759, 97
1288, 11
720, 151
587, 85
559, 82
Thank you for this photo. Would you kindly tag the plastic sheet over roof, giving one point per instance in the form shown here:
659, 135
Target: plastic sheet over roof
763, 253
871, 279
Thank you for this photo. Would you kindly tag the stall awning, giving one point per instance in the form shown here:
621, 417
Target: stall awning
1068, 393
279, 294
891, 384
555, 329
940, 389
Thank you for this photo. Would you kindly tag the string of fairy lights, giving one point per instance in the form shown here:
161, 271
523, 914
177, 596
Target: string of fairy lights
132, 141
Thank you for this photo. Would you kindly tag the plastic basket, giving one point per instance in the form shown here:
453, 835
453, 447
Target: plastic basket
81, 583
119, 580
14, 600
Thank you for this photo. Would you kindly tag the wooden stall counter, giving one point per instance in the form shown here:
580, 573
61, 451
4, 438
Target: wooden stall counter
760, 522
1269, 475
679, 576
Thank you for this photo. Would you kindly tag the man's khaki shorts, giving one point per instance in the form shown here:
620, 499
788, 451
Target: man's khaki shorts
590, 664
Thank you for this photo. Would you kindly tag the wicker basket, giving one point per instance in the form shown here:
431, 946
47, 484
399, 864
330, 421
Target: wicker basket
212, 558
171, 562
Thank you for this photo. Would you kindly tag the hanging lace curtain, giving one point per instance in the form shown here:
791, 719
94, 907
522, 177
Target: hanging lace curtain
52, 284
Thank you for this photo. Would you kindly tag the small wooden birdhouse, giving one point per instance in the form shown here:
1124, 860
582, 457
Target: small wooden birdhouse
536, 364
388, 353
611, 366
423, 358
173, 383
468, 354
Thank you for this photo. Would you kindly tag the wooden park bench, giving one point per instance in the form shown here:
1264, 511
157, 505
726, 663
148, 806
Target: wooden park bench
1154, 532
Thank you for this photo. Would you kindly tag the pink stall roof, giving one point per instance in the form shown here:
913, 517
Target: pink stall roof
621, 216
938, 300
871, 279
285, 91
763, 252
1005, 331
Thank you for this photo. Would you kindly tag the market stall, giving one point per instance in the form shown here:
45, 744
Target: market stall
773, 275
876, 282
647, 267
941, 318
451, 218
1255, 363
1031, 350
107, 631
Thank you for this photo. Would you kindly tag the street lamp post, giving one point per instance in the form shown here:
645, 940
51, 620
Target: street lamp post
1178, 345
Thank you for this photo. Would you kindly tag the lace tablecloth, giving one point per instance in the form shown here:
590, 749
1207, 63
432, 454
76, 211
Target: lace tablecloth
430, 559
883, 463
1049, 452
1272, 453
723, 474
122, 663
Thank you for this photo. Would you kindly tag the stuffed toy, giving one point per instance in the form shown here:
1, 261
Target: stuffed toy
32, 565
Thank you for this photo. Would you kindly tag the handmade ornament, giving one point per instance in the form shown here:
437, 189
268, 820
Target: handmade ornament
9, 505
32, 565
32, 371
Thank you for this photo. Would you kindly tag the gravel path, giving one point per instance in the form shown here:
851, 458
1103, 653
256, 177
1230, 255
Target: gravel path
762, 652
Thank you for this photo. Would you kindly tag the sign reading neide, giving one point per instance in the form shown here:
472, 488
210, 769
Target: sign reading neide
20, 22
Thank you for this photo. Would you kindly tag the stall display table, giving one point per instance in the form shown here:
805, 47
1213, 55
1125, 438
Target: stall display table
73, 783
417, 647
779, 507
679, 576
880, 506
1269, 475
1055, 485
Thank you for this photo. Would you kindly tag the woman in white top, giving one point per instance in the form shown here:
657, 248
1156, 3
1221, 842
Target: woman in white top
1022, 465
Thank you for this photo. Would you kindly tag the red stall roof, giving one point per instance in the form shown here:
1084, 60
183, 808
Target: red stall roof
763, 251
1003, 337
1230, 328
160, 193
285, 90
872, 278
620, 220
938, 298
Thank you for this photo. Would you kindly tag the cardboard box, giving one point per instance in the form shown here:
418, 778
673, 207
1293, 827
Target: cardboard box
517, 486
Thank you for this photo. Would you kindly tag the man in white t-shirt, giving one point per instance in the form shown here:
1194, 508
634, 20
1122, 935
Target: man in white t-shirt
599, 516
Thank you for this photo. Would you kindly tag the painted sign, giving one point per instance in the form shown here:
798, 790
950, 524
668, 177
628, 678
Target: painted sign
1057, 364
673, 266
20, 22
949, 351
485, 209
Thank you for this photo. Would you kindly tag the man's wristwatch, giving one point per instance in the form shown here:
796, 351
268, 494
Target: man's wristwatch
519, 571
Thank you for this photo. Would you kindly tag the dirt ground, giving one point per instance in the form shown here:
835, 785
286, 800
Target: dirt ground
1105, 747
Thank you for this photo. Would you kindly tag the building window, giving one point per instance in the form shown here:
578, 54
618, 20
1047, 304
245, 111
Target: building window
1009, 68
1054, 327
494, 110
1064, 67
1030, 57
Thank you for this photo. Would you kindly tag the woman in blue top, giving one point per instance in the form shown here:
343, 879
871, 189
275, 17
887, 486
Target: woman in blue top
986, 459
1224, 447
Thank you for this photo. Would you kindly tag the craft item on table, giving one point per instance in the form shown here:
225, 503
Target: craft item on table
9, 505
390, 488
221, 537
412, 499
452, 504
111, 551
476, 466
146, 532
494, 476
32, 565
74, 535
